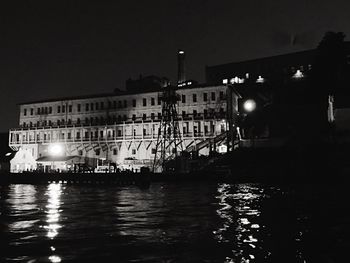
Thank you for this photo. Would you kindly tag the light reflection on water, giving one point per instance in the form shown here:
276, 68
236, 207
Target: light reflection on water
239, 209
53, 210
168, 222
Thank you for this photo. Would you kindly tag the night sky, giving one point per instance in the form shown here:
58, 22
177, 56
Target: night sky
54, 49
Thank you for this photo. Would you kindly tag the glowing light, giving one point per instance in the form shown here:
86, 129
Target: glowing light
7, 154
224, 81
249, 105
181, 52
54, 259
236, 80
56, 149
260, 80
298, 74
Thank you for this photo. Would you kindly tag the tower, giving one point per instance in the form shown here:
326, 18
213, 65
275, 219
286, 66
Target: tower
181, 76
169, 142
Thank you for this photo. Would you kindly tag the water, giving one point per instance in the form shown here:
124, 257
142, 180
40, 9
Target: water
188, 222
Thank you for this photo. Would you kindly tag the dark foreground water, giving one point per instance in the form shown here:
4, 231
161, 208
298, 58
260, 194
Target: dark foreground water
188, 222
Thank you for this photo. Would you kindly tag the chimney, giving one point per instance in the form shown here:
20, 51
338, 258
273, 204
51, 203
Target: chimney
181, 77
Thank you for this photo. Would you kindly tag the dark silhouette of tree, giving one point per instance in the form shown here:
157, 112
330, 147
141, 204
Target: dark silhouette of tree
326, 80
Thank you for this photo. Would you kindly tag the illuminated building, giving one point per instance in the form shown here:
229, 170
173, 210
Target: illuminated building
119, 128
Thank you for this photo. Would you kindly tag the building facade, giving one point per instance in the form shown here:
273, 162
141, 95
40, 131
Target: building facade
120, 129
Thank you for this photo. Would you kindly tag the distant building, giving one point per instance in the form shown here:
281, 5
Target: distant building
119, 128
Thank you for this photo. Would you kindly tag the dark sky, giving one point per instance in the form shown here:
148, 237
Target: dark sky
54, 48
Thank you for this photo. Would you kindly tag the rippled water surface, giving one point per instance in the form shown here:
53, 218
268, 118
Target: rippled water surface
189, 222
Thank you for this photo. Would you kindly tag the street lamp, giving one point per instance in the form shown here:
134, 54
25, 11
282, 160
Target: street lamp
249, 105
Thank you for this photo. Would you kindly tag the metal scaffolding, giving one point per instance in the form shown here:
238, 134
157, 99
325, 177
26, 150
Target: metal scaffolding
169, 142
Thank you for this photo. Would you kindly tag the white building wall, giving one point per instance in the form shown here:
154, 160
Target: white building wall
115, 135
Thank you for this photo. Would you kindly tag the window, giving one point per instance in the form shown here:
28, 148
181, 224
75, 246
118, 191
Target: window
221, 95
153, 151
78, 121
194, 113
152, 116
134, 103
78, 135
194, 97
183, 114
159, 101
144, 117
144, 102
125, 104
79, 107
86, 120
183, 98
205, 96
50, 110
58, 122
25, 112
46, 110
80, 152
205, 113
144, 132
96, 105
101, 134
119, 104
133, 151
119, 133
102, 105
96, 134
152, 101
70, 107
98, 151
213, 96
114, 151
109, 104
133, 117
86, 135
50, 122
31, 111
159, 116
63, 108
125, 117
114, 104
69, 135
38, 111
87, 106
69, 121
91, 106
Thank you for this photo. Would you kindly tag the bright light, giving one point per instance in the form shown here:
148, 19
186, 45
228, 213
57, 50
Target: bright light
181, 52
55, 149
298, 74
249, 105
7, 154
260, 80
224, 81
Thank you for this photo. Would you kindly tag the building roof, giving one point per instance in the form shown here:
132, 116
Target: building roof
118, 93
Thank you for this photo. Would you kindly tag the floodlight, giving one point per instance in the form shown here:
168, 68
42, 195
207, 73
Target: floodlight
55, 149
249, 105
